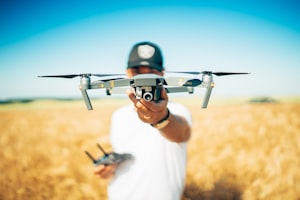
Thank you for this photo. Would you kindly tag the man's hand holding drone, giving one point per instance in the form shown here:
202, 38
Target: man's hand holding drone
149, 111
158, 116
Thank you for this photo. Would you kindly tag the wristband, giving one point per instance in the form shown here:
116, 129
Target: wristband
162, 123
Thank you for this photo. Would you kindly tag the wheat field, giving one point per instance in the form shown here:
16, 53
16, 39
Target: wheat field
237, 151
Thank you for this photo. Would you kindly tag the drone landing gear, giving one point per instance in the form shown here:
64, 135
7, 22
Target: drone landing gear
86, 99
207, 95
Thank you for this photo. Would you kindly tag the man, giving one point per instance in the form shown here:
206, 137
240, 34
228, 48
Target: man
155, 133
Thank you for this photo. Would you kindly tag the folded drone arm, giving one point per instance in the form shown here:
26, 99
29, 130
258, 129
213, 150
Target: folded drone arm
179, 89
86, 99
206, 96
110, 83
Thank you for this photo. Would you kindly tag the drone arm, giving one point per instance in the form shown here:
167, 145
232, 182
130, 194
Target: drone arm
179, 89
110, 83
207, 94
86, 99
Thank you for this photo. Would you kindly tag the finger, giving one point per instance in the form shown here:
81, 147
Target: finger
157, 104
131, 96
108, 172
105, 172
140, 107
98, 169
144, 109
164, 94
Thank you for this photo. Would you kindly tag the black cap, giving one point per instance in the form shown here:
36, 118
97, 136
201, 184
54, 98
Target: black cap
146, 54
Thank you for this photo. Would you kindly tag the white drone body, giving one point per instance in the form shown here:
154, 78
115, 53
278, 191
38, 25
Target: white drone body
147, 86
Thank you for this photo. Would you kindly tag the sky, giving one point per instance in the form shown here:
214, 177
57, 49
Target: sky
95, 36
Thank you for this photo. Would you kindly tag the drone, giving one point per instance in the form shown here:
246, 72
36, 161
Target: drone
147, 86
109, 158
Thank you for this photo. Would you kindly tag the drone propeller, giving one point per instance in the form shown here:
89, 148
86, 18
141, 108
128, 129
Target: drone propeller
224, 73
81, 75
210, 72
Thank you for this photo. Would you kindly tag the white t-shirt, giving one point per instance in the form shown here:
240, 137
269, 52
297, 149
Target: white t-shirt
158, 168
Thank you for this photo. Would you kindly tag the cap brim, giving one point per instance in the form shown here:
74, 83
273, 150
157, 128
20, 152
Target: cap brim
153, 66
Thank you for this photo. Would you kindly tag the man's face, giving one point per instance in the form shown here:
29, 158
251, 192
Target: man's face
142, 70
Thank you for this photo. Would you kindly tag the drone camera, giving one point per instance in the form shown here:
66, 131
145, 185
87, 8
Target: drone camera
148, 93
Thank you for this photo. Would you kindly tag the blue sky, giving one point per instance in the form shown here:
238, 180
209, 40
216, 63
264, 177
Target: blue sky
67, 37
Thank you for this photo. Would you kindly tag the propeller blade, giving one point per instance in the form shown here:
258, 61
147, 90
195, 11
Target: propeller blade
61, 76
228, 73
210, 72
111, 79
102, 75
82, 75
194, 73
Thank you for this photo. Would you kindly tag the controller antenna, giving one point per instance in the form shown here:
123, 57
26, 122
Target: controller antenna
106, 154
